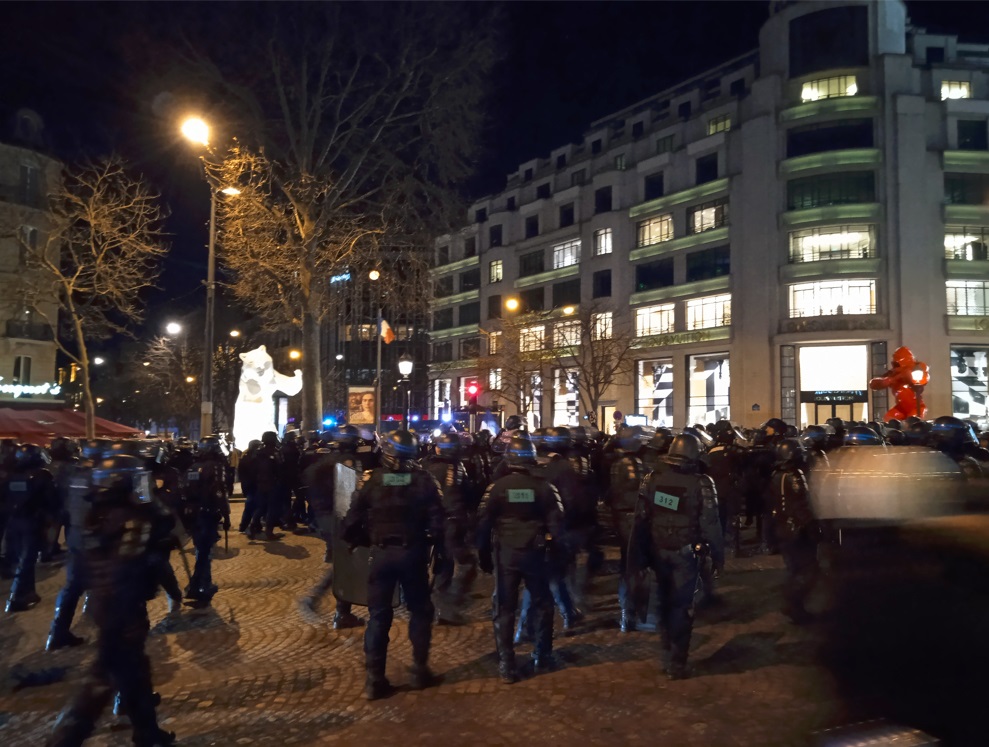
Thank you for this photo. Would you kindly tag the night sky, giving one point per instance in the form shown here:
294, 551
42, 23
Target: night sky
80, 65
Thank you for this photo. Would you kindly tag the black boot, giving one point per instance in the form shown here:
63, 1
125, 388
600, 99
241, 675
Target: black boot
376, 686
627, 623
422, 676
506, 671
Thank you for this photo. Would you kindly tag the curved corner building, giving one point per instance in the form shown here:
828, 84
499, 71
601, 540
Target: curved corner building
765, 234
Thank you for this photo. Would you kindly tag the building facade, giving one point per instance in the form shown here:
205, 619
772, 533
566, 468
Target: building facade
27, 347
767, 233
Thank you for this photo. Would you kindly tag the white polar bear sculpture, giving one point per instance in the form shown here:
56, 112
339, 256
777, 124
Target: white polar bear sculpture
254, 412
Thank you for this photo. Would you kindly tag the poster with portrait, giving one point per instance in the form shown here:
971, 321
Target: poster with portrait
360, 405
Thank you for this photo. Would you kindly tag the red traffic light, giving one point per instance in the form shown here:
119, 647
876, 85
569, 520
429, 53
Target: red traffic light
472, 390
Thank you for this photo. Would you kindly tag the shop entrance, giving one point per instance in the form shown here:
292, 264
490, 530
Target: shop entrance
834, 383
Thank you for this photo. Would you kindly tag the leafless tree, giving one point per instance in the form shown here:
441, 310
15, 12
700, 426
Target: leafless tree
103, 247
516, 356
354, 125
595, 354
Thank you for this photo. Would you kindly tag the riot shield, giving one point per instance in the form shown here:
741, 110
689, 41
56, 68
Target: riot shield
350, 568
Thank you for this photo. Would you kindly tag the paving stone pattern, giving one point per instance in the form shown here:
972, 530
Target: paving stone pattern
254, 670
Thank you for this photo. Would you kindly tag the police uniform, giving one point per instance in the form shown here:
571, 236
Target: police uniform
205, 505
627, 473
677, 520
397, 511
118, 531
31, 499
517, 514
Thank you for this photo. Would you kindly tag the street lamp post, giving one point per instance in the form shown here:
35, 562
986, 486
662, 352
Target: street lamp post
374, 275
405, 364
197, 131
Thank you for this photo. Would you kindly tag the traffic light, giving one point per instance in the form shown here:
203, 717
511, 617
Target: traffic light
472, 391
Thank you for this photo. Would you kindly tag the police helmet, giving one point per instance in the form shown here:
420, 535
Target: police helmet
815, 436
862, 435
128, 446
702, 436
789, 450
894, 425
96, 448
347, 436
400, 445
578, 434
634, 439
514, 423
952, 433
538, 438
448, 445
897, 438
838, 424
269, 438
774, 428
210, 447
686, 446
31, 456
483, 438
115, 478
559, 438
723, 432
661, 440
520, 451
466, 440
878, 427
918, 432
63, 449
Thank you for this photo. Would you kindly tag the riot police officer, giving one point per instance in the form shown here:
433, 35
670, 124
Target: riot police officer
31, 500
454, 575
117, 533
268, 473
676, 521
322, 489
77, 501
627, 473
794, 528
398, 512
517, 514
205, 505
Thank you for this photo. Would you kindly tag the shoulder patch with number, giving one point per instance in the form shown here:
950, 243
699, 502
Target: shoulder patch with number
521, 495
665, 500
394, 479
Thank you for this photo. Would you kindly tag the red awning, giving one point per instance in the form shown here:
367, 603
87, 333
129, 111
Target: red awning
41, 425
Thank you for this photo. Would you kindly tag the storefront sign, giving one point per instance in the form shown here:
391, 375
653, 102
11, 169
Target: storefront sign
834, 396
30, 389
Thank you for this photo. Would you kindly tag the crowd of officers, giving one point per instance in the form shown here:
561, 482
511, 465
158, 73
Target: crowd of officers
532, 509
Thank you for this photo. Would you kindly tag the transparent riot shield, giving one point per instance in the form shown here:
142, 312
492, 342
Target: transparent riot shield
350, 568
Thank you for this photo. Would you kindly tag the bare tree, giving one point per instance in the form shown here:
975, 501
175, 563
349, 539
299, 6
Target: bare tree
513, 368
354, 127
102, 248
594, 353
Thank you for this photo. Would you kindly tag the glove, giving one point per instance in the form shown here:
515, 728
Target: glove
226, 523
486, 563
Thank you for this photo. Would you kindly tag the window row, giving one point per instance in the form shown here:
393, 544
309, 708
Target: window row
702, 313
968, 243
700, 218
708, 381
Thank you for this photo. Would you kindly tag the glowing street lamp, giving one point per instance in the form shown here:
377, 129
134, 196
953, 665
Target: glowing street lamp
405, 365
173, 328
235, 333
294, 354
373, 275
97, 361
189, 379
512, 304
195, 130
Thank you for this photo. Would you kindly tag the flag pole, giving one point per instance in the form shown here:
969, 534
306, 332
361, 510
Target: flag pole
377, 378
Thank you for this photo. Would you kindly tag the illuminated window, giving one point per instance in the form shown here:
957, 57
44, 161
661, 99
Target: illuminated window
22, 370
655, 230
654, 320
710, 215
494, 342
620, 162
494, 379
601, 325
566, 254
709, 311
496, 270
566, 334
829, 88
708, 387
602, 242
832, 298
719, 124
966, 242
956, 89
832, 242
654, 388
566, 400
531, 339
968, 297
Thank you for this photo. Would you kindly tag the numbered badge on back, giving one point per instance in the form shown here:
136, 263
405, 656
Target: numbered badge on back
396, 479
665, 500
521, 495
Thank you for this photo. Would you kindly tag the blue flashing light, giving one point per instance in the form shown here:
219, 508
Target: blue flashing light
329, 422
342, 278
415, 418
447, 417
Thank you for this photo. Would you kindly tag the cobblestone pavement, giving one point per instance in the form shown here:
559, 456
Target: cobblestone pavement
253, 670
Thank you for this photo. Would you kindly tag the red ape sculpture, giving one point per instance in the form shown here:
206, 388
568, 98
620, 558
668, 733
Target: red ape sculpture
906, 379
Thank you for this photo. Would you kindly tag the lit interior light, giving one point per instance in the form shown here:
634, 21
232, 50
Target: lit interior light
852, 89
